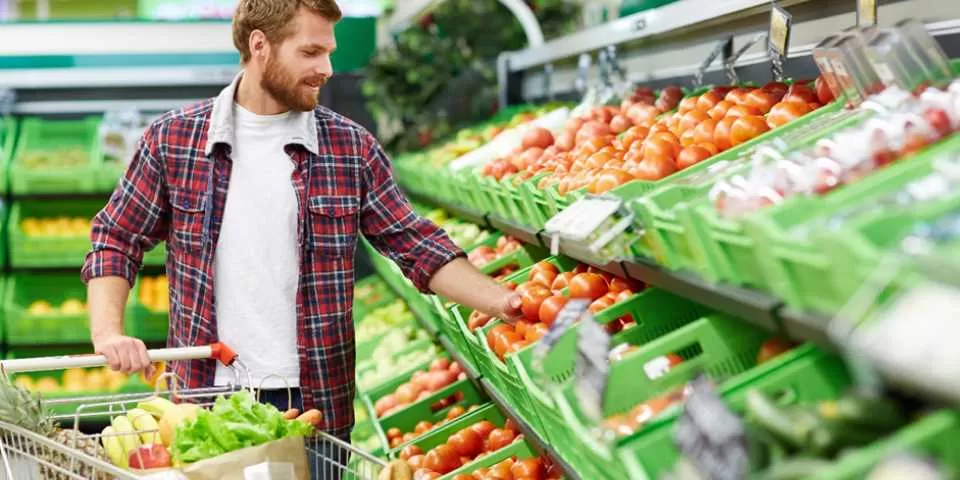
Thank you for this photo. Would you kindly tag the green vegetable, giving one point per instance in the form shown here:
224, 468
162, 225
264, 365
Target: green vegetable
233, 424
796, 469
879, 413
775, 420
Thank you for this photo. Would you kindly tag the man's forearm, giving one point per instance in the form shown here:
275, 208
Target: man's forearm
460, 282
106, 299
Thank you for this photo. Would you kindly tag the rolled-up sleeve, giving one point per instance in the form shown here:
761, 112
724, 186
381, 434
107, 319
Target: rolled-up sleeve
418, 246
134, 220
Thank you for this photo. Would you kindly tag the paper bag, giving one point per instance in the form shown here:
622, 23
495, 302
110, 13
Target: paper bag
288, 455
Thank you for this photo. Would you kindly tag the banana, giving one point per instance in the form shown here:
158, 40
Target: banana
156, 406
113, 447
146, 425
125, 432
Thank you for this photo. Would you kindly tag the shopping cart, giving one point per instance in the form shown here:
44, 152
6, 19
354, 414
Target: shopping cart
28, 455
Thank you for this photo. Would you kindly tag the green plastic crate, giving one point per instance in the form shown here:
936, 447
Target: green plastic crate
801, 269
722, 346
666, 214
521, 258
420, 411
50, 250
439, 436
8, 143
933, 436
24, 327
629, 7
56, 137
805, 374
656, 313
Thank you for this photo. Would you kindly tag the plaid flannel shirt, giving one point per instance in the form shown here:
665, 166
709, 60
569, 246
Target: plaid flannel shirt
175, 190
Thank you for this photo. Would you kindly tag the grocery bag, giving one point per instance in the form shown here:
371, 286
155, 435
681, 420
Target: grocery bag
285, 459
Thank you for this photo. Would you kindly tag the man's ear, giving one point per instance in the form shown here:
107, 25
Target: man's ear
259, 46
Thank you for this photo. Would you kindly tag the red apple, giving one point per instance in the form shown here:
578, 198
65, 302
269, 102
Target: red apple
149, 457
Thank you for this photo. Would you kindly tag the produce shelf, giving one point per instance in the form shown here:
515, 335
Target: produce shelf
539, 445
520, 232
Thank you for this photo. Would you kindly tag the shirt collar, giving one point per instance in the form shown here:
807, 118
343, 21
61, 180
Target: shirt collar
223, 126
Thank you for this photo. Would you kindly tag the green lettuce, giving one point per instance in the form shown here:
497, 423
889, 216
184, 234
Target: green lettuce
232, 424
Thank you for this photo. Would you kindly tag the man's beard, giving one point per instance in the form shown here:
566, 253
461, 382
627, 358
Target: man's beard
284, 88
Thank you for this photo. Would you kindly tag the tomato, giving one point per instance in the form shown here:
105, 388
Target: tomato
483, 428
588, 285
760, 100
601, 304
659, 146
544, 266
708, 100
503, 342
742, 111
500, 438
691, 119
710, 147
592, 130
561, 281
410, 451
703, 132
654, 167
609, 179
442, 459
802, 93
466, 442
737, 95
536, 332
720, 110
394, 433
721, 134
416, 462
464, 476
529, 469
786, 112
478, 320
501, 471
777, 89
938, 120
643, 115
551, 307
422, 427
824, 94
688, 138
773, 348
544, 278
455, 412
691, 156
618, 284
425, 474
619, 124
747, 128
687, 104
496, 331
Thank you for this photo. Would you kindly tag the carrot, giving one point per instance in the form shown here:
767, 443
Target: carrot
313, 417
291, 414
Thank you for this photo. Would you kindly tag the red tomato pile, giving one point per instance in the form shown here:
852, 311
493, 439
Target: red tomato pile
424, 383
535, 468
483, 254
463, 447
396, 437
545, 294
611, 146
634, 420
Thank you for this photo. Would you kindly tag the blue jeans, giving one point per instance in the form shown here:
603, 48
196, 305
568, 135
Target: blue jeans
327, 460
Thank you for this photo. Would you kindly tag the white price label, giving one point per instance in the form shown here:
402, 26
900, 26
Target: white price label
583, 217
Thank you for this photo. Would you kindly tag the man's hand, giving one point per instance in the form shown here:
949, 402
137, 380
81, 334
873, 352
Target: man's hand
124, 354
509, 311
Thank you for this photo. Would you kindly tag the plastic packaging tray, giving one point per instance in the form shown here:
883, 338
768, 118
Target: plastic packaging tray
52, 249
27, 328
55, 137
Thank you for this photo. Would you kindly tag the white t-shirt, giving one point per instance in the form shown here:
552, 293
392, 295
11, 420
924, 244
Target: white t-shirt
257, 258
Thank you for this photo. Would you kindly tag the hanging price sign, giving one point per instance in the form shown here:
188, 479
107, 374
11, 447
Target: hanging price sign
866, 13
778, 43
711, 435
568, 316
592, 367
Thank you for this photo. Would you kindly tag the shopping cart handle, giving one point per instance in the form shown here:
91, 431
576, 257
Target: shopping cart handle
215, 351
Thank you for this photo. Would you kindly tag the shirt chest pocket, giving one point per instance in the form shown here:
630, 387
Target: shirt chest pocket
334, 223
188, 219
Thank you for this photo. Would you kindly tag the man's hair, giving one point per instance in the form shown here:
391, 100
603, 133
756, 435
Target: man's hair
273, 18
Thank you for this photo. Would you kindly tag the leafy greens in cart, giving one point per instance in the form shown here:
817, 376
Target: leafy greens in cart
233, 424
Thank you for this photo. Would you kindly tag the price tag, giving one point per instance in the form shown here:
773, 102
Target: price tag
866, 13
711, 435
583, 217
592, 367
911, 342
724, 47
567, 317
778, 44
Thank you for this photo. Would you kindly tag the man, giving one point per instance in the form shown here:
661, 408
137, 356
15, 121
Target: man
261, 195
